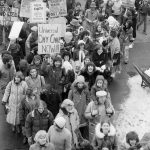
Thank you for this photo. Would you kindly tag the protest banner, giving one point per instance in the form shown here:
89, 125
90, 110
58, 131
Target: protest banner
38, 12
62, 21
57, 8
128, 3
49, 38
25, 8
15, 30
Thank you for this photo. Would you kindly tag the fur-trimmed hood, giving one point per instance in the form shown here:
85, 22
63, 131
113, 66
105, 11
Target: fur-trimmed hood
100, 135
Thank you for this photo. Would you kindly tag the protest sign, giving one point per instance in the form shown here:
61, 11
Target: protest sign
38, 12
2, 3
57, 8
25, 8
62, 21
49, 38
128, 3
15, 30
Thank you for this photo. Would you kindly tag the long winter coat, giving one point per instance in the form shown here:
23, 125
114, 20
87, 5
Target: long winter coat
6, 75
36, 146
36, 121
100, 139
27, 105
72, 122
80, 100
102, 114
14, 94
36, 84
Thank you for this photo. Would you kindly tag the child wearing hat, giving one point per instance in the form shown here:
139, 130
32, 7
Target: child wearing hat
97, 110
70, 114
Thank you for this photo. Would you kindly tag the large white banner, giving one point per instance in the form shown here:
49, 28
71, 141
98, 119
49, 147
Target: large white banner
49, 38
38, 12
57, 8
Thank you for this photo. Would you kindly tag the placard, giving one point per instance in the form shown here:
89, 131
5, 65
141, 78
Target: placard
62, 21
57, 8
128, 3
38, 12
49, 38
25, 8
15, 30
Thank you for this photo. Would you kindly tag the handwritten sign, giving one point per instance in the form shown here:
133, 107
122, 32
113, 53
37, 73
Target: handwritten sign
128, 3
25, 8
38, 13
49, 38
62, 21
15, 30
57, 8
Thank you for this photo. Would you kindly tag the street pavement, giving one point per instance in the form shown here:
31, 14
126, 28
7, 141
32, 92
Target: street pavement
119, 90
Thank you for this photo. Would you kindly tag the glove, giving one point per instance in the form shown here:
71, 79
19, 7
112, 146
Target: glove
30, 140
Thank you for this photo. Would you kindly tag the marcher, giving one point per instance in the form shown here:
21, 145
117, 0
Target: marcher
59, 135
15, 92
70, 114
41, 142
97, 110
39, 119
27, 105
105, 136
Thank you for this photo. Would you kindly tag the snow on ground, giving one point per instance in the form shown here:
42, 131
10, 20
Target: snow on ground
135, 114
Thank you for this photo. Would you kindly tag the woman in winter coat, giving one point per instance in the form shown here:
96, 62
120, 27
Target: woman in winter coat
99, 57
97, 110
100, 85
132, 142
80, 95
27, 105
70, 114
105, 136
39, 119
35, 81
15, 92
55, 75
90, 73
41, 142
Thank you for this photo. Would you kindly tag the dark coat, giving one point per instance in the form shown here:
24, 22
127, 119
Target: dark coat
53, 76
99, 60
53, 100
36, 121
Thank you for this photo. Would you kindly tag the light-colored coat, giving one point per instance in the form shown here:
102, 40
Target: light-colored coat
14, 94
72, 123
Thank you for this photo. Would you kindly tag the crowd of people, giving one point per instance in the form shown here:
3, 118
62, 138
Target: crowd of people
61, 101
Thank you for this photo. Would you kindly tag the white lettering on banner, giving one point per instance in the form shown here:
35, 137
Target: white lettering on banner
38, 13
49, 38
57, 8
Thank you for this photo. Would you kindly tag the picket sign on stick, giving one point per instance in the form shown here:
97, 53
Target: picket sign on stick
15, 30
57, 8
49, 38
38, 12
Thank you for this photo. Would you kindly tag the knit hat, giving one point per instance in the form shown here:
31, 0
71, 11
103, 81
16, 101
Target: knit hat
60, 122
39, 134
93, 4
67, 102
132, 136
81, 42
34, 28
20, 75
101, 93
57, 59
80, 79
75, 22
66, 53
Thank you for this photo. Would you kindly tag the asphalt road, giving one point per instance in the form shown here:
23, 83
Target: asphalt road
119, 90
